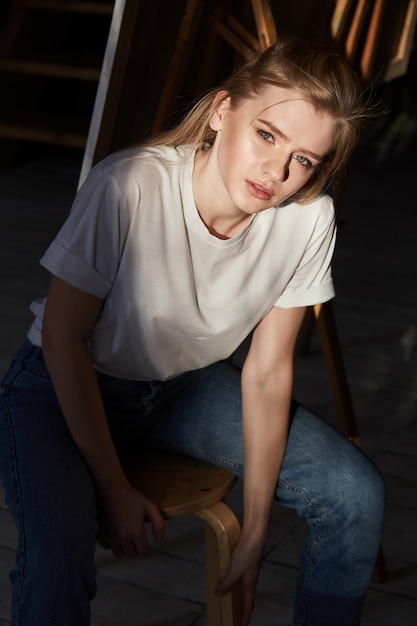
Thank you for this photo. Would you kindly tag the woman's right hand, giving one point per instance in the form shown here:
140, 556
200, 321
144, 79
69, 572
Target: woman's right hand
69, 319
121, 523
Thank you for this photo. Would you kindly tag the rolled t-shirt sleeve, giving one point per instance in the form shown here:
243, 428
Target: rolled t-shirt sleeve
312, 281
86, 251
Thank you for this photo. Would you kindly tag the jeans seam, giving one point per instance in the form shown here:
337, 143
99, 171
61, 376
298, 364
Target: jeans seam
20, 517
314, 549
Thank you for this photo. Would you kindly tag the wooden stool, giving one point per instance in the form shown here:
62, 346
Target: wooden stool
181, 485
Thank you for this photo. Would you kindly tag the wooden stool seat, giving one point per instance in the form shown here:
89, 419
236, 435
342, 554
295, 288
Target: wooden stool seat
181, 485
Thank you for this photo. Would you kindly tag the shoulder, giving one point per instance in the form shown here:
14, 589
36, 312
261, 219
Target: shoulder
310, 216
300, 218
141, 160
129, 173
321, 206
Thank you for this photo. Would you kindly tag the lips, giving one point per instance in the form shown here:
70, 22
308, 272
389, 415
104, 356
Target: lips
259, 191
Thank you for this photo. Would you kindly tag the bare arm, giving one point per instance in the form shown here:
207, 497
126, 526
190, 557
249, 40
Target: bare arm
267, 379
70, 316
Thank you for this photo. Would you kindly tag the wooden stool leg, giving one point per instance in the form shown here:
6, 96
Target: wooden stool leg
222, 532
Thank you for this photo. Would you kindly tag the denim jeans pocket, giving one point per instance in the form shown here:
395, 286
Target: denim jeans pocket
27, 371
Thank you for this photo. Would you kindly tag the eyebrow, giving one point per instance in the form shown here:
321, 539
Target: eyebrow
283, 136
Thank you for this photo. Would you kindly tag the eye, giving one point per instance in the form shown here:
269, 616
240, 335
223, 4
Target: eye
302, 160
266, 135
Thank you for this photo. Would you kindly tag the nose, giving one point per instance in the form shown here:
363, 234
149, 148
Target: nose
276, 168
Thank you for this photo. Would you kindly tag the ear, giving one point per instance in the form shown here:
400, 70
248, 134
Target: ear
221, 105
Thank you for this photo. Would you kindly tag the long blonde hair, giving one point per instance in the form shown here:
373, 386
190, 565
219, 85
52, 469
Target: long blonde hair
322, 76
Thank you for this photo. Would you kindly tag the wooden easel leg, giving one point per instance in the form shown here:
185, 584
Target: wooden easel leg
335, 366
380, 572
306, 332
337, 374
265, 22
179, 61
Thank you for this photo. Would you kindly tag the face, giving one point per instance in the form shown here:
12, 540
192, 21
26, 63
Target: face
268, 147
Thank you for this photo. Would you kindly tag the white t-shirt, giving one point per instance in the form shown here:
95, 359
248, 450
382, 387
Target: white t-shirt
176, 297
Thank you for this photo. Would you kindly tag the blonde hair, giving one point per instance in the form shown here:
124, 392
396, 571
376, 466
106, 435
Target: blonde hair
322, 76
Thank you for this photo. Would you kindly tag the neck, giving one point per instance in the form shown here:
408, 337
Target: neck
221, 218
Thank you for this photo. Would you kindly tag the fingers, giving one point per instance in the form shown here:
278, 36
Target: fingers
154, 516
248, 604
138, 547
243, 570
135, 544
226, 584
125, 533
248, 595
248, 601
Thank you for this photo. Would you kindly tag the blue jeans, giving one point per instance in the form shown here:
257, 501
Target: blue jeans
51, 496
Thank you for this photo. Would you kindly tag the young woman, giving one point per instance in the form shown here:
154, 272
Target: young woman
174, 252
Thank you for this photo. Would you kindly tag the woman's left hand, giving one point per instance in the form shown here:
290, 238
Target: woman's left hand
243, 570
